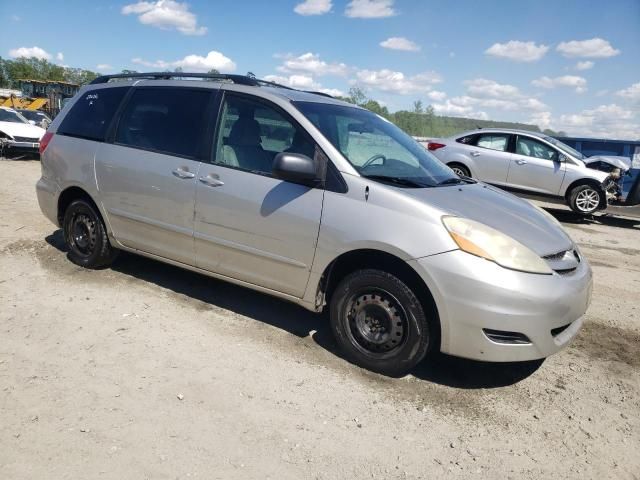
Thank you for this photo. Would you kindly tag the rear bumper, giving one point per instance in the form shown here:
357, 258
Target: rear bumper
47, 193
22, 147
473, 294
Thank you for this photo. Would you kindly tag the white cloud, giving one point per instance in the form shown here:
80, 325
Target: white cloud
456, 109
586, 65
400, 43
313, 7
604, 121
166, 15
304, 82
104, 67
60, 57
593, 48
483, 94
482, 87
15, 18
571, 81
396, 82
193, 63
518, 51
30, 52
542, 119
437, 95
632, 93
311, 63
370, 9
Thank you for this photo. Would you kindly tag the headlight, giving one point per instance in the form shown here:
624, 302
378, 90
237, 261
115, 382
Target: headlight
483, 241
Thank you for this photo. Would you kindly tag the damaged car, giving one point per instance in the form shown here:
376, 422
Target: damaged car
17, 135
535, 165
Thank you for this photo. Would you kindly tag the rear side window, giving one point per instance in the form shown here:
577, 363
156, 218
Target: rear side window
91, 115
493, 141
468, 140
166, 120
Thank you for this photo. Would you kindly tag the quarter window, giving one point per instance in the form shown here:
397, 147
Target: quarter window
252, 133
493, 141
533, 148
91, 115
166, 120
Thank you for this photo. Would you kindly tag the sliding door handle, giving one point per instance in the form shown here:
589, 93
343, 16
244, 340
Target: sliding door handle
182, 173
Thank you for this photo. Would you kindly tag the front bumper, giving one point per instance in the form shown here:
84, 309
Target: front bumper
24, 147
473, 294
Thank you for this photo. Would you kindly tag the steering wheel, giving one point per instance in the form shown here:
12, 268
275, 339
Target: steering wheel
373, 159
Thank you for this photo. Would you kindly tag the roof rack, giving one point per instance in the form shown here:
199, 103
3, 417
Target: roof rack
239, 79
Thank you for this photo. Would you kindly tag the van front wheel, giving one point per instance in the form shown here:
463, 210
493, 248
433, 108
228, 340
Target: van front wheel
379, 323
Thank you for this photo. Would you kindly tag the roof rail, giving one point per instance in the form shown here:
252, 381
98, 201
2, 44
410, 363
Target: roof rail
239, 79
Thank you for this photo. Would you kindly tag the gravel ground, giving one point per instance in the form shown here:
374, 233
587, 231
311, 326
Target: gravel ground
147, 371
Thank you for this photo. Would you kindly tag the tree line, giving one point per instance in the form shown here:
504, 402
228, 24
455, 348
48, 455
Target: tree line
423, 122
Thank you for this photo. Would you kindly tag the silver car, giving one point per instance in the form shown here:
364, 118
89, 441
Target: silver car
315, 201
534, 165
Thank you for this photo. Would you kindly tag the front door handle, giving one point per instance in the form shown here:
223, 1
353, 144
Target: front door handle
211, 182
521, 162
475, 154
182, 173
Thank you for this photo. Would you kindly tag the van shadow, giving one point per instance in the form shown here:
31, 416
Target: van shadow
206, 291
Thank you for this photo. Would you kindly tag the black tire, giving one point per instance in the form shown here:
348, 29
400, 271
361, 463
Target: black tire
459, 169
585, 199
379, 323
86, 236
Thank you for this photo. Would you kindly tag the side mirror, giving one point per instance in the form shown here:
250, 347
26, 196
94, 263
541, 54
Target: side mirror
561, 157
296, 168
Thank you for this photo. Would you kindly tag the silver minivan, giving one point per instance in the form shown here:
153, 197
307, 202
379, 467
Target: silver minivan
316, 201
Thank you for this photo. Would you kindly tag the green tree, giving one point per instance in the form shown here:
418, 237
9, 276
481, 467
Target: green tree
357, 95
417, 107
213, 71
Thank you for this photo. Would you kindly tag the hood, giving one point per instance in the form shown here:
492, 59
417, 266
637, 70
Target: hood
500, 210
623, 163
21, 130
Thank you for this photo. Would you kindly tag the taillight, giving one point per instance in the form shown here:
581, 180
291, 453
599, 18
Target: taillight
435, 146
44, 141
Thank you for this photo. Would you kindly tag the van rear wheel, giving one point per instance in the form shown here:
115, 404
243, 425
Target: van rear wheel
86, 236
379, 323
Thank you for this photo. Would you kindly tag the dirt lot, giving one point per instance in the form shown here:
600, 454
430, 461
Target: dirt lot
147, 371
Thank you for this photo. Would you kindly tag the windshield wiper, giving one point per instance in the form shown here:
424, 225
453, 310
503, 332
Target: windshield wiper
405, 182
456, 180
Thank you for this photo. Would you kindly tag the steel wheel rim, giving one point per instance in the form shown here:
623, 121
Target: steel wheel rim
587, 200
83, 234
377, 322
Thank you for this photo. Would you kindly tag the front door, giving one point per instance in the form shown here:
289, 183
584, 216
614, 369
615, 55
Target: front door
147, 176
536, 167
248, 225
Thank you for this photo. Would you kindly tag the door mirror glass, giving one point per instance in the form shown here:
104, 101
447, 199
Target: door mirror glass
296, 168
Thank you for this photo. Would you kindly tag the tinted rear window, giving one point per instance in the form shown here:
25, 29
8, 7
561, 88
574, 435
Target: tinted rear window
91, 115
167, 120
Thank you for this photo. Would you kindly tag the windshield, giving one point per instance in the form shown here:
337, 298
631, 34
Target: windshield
565, 148
11, 116
377, 148
33, 115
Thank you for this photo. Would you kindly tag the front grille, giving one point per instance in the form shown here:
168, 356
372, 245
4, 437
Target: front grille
27, 139
557, 331
511, 338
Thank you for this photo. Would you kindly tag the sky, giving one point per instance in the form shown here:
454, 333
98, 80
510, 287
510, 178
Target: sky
566, 65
